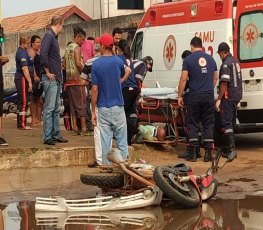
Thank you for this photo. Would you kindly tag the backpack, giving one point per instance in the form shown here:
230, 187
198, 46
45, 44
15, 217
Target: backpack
72, 71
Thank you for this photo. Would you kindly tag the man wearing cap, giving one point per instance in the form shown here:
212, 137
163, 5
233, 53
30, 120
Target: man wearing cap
201, 70
230, 93
141, 67
107, 74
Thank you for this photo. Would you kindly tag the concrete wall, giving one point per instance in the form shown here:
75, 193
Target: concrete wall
93, 28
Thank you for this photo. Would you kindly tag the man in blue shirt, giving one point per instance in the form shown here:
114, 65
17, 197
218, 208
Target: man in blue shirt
107, 74
51, 61
202, 72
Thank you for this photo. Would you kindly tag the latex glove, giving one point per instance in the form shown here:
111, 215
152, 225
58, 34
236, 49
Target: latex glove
218, 102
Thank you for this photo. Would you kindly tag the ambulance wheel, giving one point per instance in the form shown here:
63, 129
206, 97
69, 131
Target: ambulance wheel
183, 194
103, 180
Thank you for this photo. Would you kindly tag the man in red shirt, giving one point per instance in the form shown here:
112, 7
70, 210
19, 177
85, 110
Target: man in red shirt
87, 50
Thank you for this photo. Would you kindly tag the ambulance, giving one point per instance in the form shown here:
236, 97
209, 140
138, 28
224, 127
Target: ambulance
166, 30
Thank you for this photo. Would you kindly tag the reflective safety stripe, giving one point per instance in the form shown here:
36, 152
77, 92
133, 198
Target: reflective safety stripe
208, 140
225, 76
22, 113
229, 131
235, 75
137, 63
193, 139
140, 77
133, 115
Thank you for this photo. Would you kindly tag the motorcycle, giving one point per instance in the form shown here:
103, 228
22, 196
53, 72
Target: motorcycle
10, 100
186, 189
178, 183
129, 186
136, 192
125, 176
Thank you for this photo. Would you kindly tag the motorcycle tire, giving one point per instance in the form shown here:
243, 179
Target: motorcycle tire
103, 180
189, 199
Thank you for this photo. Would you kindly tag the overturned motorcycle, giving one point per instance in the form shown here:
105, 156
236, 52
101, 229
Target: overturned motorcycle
145, 194
129, 186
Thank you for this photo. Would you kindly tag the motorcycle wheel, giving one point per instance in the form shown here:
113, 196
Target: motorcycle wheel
190, 199
104, 180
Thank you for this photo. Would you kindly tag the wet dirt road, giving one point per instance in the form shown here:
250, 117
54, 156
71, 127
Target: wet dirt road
238, 204
215, 214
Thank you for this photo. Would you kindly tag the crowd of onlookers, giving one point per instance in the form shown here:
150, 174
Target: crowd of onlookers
93, 75
100, 84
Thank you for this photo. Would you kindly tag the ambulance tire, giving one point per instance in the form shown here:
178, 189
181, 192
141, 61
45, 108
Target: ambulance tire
103, 180
189, 199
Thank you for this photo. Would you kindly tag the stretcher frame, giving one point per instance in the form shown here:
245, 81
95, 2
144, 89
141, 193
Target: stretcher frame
166, 105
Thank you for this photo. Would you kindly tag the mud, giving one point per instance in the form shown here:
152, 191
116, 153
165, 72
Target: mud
237, 179
237, 204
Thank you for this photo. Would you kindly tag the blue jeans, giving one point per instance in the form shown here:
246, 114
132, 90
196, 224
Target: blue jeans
112, 121
51, 114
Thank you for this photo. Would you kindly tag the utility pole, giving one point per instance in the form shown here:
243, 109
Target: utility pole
100, 16
0, 11
108, 8
1, 29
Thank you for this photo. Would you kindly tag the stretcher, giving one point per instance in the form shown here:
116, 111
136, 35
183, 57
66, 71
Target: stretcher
160, 105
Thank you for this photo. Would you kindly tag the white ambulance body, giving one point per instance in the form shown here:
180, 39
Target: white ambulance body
167, 29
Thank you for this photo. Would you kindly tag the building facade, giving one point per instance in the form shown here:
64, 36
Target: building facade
110, 8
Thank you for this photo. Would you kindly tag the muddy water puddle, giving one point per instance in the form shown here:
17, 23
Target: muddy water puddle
216, 214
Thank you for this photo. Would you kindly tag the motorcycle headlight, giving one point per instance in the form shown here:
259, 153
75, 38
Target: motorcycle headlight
147, 194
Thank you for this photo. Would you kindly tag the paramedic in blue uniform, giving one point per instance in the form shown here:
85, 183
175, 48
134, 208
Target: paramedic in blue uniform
23, 80
230, 93
201, 70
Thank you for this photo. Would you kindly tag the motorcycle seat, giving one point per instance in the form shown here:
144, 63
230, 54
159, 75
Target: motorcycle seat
182, 167
9, 91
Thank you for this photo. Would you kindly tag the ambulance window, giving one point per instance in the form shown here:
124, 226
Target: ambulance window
137, 46
250, 39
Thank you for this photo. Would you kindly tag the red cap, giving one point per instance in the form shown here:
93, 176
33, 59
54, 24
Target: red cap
106, 40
